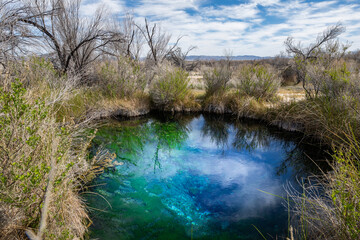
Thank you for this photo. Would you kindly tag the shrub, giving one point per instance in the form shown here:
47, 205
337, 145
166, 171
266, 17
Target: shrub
216, 79
39, 75
40, 162
257, 81
170, 86
325, 76
338, 81
123, 78
319, 55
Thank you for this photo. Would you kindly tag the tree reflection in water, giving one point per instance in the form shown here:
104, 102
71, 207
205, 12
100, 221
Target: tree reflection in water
252, 134
217, 129
128, 138
168, 136
168, 131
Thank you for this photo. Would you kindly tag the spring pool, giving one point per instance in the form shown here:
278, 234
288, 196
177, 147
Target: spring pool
195, 177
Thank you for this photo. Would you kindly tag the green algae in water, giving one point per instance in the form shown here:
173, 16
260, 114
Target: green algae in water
194, 178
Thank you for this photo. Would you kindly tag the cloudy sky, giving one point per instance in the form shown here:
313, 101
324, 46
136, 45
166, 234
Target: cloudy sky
245, 27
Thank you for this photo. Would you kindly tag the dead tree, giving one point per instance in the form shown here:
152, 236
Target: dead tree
313, 54
158, 42
178, 58
13, 37
133, 39
76, 41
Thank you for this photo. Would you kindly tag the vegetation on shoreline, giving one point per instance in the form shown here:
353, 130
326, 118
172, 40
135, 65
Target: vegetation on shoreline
48, 104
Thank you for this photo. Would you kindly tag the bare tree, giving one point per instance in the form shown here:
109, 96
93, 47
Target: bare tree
13, 36
133, 39
76, 41
157, 41
178, 58
306, 58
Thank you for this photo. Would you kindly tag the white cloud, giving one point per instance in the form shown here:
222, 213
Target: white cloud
245, 28
242, 11
266, 2
89, 8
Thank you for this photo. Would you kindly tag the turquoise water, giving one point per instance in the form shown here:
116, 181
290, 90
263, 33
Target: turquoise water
195, 177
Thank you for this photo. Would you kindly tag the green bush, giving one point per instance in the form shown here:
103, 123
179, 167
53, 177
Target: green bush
39, 162
216, 79
257, 81
170, 87
338, 81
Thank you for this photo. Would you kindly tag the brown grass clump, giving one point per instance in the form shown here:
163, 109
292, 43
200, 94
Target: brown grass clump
249, 107
69, 207
113, 107
320, 118
217, 103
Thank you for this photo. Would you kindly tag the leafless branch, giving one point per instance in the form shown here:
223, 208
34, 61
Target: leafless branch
157, 41
314, 52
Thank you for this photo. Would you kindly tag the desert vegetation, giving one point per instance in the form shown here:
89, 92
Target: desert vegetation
61, 73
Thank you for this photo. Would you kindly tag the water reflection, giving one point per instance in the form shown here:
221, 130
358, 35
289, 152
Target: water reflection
167, 136
216, 129
195, 176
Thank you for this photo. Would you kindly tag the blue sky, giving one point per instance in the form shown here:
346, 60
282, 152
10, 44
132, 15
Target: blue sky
245, 27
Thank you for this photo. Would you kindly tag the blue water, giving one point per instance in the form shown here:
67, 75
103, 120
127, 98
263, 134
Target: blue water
195, 177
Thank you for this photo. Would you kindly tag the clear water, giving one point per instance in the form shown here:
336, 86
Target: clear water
195, 177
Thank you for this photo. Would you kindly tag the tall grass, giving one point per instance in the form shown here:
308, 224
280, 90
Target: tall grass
330, 209
43, 161
38, 163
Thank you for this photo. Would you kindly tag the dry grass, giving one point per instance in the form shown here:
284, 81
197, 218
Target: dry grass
37, 166
41, 162
69, 218
291, 93
249, 107
331, 208
113, 107
218, 103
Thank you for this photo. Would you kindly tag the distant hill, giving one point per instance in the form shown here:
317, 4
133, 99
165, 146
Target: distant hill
243, 57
